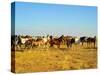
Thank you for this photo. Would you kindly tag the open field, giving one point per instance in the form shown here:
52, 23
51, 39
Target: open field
54, 59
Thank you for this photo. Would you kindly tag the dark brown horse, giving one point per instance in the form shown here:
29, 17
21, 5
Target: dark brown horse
70, 42
91, 40
55, 41
83, 39
28, 44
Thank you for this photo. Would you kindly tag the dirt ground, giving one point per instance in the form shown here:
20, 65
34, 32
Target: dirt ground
41, 59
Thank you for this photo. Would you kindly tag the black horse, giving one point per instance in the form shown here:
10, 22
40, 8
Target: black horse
88, 40
83, 39
91, 40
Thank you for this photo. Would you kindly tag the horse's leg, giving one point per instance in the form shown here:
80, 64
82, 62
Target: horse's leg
58, 45
25, 46
51, 44
82, 43
94, 44
13, 47
87, 44
31, 45
70, 44
17, 47
46, 45
67, 45
90, 44
20, 46
28, 46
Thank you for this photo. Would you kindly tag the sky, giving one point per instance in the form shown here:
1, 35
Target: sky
55, 19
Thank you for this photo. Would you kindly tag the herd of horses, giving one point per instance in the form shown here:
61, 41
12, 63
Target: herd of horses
19, 42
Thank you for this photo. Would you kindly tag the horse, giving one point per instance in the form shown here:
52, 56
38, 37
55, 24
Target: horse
41, 41
91, 40
12, 42
83, 40
70, 42
88, 40
55, 41
20, 41
46, 40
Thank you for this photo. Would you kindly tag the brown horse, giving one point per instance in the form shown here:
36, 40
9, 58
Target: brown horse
70, 42
91, 40
28, 43
55, 41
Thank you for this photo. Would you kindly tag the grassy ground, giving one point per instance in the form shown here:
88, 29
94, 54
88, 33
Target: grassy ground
54, 59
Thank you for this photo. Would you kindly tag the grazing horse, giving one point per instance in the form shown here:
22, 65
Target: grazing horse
55, 41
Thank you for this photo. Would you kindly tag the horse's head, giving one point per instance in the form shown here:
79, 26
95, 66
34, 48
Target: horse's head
51, 36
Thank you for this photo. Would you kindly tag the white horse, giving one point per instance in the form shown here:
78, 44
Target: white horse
46, 41
22, 41
77, 40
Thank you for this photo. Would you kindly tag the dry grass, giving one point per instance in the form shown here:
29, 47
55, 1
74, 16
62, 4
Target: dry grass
55, 59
